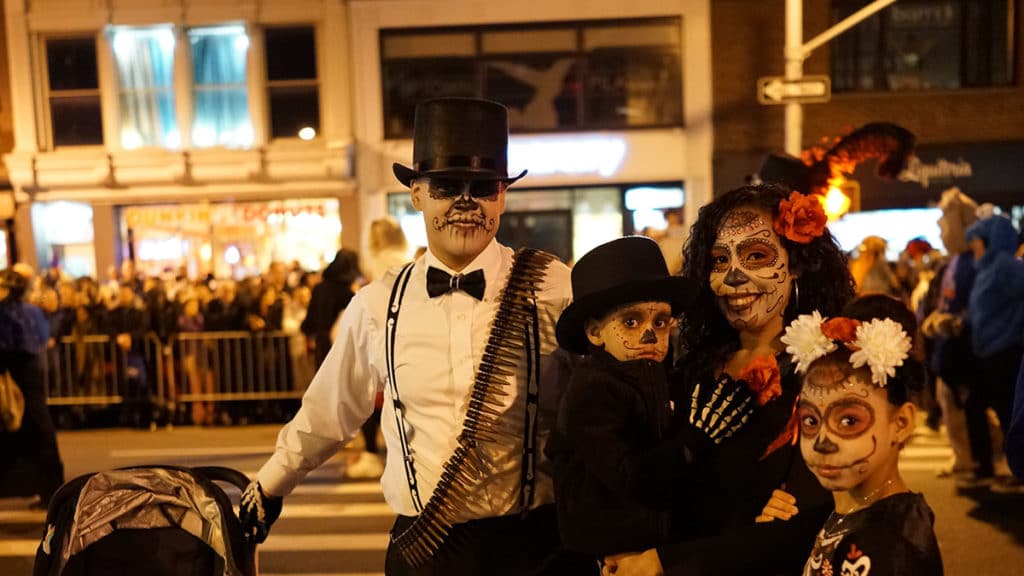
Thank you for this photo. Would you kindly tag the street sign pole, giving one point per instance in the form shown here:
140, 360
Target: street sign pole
796, 51
794, 71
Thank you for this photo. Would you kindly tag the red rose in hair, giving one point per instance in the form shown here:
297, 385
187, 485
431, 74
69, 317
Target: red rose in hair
801, 218
840, 329
763, 379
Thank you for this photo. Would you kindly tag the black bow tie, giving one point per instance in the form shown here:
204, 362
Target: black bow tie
440, 282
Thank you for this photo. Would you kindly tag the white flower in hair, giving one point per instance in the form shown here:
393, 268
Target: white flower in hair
883, 346
805, 341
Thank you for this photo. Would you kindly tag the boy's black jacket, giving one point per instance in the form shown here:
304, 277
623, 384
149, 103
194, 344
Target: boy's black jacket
615, 458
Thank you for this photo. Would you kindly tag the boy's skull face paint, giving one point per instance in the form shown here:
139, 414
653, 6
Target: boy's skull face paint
846, 435
750, 270
634, 331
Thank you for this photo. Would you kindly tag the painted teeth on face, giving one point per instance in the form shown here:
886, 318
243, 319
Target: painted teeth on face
742, 301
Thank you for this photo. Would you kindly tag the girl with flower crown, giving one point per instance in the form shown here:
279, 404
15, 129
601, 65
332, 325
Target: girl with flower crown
855, 416
761, 256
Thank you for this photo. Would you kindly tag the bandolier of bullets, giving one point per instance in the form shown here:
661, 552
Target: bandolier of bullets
464, 470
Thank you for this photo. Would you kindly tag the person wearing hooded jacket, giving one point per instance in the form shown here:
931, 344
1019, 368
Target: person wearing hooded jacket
30, 456
996, 311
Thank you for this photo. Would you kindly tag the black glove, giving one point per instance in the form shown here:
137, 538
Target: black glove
257, 512
719, 410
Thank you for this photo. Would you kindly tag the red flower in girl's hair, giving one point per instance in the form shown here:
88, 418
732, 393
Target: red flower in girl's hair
763, 379
801, 218
840, 329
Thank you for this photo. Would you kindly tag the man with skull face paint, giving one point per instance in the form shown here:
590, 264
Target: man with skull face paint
855, 416
457, 341
761, 255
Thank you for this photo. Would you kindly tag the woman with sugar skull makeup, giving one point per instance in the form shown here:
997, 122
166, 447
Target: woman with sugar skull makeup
761, 256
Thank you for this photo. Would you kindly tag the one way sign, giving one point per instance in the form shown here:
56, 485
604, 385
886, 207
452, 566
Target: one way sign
778, 90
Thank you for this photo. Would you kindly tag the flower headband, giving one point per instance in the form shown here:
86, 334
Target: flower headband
801, 218
881, 344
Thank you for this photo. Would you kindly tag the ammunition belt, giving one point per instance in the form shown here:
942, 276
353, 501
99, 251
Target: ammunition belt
515, 327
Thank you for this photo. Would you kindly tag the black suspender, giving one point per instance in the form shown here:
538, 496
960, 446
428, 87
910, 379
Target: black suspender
532, 397
394, 305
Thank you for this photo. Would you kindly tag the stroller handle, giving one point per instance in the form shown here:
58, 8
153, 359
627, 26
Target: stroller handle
223, 474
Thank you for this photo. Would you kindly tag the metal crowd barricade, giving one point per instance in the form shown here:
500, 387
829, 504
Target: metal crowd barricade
233, 366
93, 370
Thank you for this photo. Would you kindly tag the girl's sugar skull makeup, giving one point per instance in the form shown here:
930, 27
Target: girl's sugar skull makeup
848, 428
750, 270
638, 331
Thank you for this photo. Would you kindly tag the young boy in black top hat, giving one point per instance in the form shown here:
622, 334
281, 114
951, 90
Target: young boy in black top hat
614, 453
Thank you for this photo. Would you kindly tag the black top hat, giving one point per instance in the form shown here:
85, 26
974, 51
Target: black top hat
459, 137
625, 270
787, 170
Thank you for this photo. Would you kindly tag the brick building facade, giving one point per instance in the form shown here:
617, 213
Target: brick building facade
978, 128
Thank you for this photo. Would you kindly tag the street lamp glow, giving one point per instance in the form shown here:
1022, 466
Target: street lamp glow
307, 133
836, 203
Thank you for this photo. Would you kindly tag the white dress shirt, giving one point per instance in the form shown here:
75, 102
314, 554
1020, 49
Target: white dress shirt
439, 344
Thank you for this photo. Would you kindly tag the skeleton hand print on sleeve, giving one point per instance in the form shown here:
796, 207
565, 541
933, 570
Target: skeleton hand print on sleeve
720, 409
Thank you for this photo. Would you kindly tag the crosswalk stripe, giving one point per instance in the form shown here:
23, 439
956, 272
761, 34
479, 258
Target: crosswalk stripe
355, 509
349, 488
927, 466
927, 451
12, 548
160, 453
325, 542
293, 511
279, 543
22, 516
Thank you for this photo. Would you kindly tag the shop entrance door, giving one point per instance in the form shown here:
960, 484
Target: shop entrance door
549, 230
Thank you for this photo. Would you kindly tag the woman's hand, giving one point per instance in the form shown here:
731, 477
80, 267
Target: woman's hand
644, 563
781, 506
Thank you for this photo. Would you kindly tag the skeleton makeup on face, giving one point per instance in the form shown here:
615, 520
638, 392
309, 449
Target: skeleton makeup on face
847, 435
459, 226
750, 270
634, 331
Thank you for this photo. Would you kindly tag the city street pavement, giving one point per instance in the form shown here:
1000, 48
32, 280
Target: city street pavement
335, 527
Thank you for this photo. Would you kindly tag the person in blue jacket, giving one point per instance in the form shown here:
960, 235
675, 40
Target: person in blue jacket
1015, 435
996, 311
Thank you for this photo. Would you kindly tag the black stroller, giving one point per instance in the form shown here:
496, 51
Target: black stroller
156, 520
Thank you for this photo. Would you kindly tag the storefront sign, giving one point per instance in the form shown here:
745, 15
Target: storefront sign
941, 170
985, 171
602, 155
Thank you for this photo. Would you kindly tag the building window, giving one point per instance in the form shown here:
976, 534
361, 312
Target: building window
552, 77
145, 75
74, 92
925, 45
293, 91
220, 95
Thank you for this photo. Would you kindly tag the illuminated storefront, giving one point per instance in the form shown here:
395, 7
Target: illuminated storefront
608, 108
64, 235
231, 239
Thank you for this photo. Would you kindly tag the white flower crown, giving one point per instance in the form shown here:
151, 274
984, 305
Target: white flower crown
881, 344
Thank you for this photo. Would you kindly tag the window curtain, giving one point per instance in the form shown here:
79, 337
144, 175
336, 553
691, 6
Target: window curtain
221, 115
145, 67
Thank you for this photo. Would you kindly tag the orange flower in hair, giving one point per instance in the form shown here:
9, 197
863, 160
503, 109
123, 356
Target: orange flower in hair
801, 218
840, 329
763, 379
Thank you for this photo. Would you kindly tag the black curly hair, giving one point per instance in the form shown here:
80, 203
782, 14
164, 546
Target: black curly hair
707, 340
